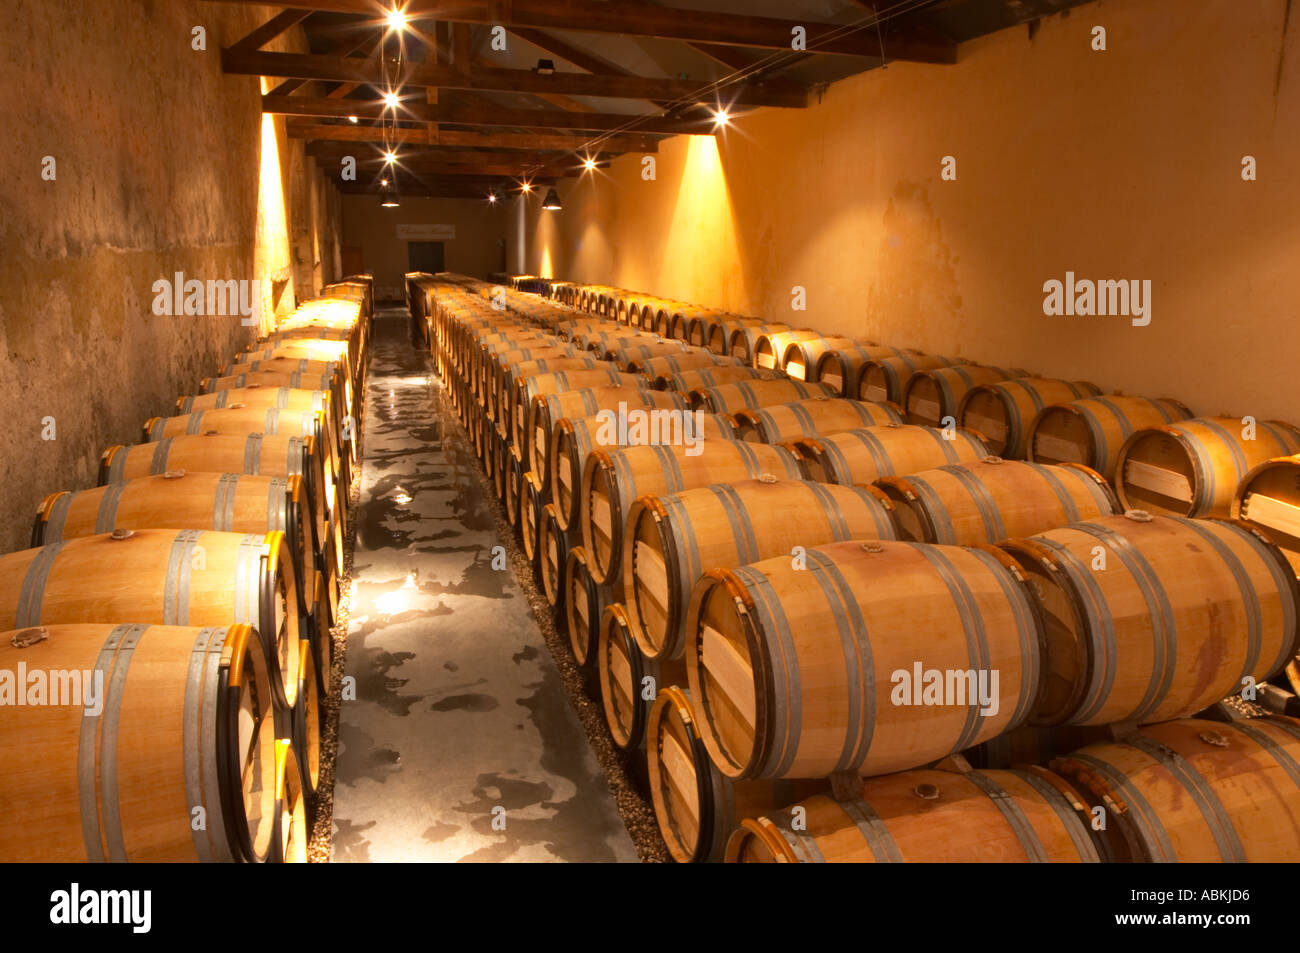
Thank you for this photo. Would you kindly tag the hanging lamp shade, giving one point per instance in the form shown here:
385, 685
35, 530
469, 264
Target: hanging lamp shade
552, 201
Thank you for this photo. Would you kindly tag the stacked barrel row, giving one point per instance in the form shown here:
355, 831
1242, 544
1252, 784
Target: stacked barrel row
692, 570
171, 627
1157, 454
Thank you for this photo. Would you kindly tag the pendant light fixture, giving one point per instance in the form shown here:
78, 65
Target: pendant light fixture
552, 201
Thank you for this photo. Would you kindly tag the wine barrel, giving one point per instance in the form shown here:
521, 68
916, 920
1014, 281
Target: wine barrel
535, 385
935, 393
1091, 431
839, 369
306, 726
663, 411
841, 690
695, 807
584, 603
628, 680
501, 379
1152, 618
671, 540
576, 438
226, 502
154, 747
886, 378
777, 423
552, 556
866, 455
254, 454
658, 370
1003, 412
718, 339
970, 503
1269, 497
246, 420
324, 610
614, 479
770, 346
162, 577
1195, 791
1193, 468
289, 834
1022, 816
633, 352
531, 502
743, 344
291, 379
307, 367
284, 398
800, 358
684, 382
738, 395
514, 486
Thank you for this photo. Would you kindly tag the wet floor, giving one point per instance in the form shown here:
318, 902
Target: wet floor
461, 744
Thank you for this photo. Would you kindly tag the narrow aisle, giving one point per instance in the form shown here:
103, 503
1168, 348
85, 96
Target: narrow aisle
461, 723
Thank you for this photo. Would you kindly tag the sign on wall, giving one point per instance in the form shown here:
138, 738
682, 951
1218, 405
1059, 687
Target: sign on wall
426, 233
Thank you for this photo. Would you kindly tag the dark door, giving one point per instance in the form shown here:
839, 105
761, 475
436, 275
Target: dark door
425, 256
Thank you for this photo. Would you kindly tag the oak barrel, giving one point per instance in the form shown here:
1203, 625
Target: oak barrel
931, 816
1091, 431
1193, 467
777, 423
738, 395
840, 666
673, 539
990, 500
1003, 412
935, 393
629, 682
162, 577
183, 720
866, 455
1151, 618
1195, 791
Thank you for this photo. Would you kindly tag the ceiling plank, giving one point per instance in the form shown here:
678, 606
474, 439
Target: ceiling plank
456, 139
669, 23
306, 66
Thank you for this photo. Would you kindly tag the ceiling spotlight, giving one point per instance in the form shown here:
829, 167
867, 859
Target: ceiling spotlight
545, 67
526, 186
589, 164
352, 119
391, 100
492, 198
552, 201
383, 181
396, 20
721, 118
390, 157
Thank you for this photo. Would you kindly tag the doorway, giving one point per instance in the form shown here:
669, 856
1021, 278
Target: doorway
425, 256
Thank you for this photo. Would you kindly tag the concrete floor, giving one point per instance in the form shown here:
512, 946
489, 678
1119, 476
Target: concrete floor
461, 725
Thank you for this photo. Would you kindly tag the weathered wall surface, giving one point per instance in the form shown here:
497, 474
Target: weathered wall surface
476, 250
157, 160
1118, 164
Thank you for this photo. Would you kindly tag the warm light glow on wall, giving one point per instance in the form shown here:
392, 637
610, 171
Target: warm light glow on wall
702, 217
271, 252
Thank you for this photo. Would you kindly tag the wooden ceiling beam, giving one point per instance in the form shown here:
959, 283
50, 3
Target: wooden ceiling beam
306, 66
269, 30
668, 23
458, 139
458, 114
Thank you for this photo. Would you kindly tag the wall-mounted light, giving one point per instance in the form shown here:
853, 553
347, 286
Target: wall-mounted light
492, 197
552, 201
